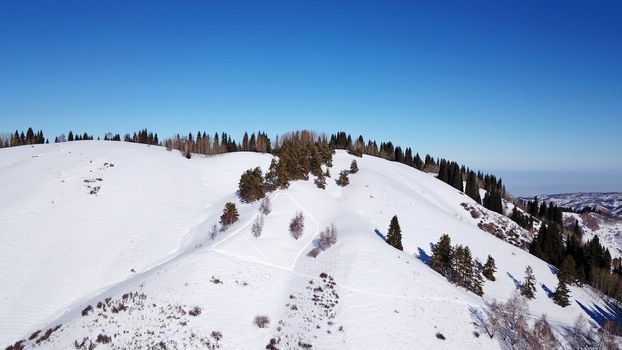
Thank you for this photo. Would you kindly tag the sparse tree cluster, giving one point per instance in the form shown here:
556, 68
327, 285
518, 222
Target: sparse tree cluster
458, 266
20, 139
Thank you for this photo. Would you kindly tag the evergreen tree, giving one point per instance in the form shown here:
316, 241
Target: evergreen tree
343, 179
562, 294
441, 258
229, 215
251, 185
489, 268
70, 137
354, 167
271, 179
320, 181
568, 270
477, 281
548, 244
472, 190
394, 235
528, 288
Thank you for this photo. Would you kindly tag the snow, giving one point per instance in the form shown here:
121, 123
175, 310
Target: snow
64, 248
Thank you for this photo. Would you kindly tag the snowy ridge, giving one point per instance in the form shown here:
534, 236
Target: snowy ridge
139, 253
607, 202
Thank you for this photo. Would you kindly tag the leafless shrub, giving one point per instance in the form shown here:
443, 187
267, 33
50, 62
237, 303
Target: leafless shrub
257, 227
266, 206
103, 339
213, 232
440, 336
297, 225
328, 237
262, 321
507, 322
86, 310
195, 311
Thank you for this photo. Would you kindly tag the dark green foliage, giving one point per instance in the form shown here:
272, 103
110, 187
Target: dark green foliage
320, 181
343, 179
19, 139
489, 268
528, 288
229, 215
354, 167
562, 294
70, 137
471, 189
271, 179
251, 185
440, 261
493, 201
548, 245
524, 221
462, 266
568, 270
394, 234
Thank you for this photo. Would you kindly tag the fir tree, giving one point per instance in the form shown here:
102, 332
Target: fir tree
441, 258
354, 167
568, 270
472, 190
251, 185
394, 235
271, 179
528, 288
70, 137
229, 215
343, 179
489, 268
320, 181
562, 294
477, 281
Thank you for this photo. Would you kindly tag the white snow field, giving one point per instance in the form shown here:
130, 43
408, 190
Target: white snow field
81, 222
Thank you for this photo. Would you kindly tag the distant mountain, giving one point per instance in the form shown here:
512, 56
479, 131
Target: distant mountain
606, 202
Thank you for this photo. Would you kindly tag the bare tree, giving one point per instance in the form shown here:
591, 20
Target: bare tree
328, 237
541, 336
297, 225
262, 321
257, 227
213, 232
266, 207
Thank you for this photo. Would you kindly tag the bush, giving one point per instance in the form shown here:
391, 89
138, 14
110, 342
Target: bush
229, 215
251, 185
195, 311
262, 321
320, 181
297, 225
328, 237
266, 207
440, 336
315, 252
257, 227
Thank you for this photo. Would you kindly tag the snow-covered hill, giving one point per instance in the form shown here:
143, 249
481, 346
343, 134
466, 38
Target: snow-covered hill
606, 202
111, 241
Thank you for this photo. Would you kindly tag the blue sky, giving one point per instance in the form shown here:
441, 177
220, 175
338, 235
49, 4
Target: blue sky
526, 89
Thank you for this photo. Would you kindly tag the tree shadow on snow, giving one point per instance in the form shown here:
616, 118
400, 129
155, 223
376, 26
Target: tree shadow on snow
517, 283
379, 234
600, 315
423, 256
549, 293
554, 270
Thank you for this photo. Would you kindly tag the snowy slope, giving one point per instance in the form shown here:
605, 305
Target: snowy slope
607, 228
142, 240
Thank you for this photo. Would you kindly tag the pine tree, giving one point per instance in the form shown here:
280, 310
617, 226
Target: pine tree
394, 235
441, 258
343, 179
229, 215
568, 270
70, 137
477, 281
271, 179
472, 190
354, 167
562, 294
320, 181
489, 268
251, 185
528, 288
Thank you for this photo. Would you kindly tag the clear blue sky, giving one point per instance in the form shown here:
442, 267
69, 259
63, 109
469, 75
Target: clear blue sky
514, 87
